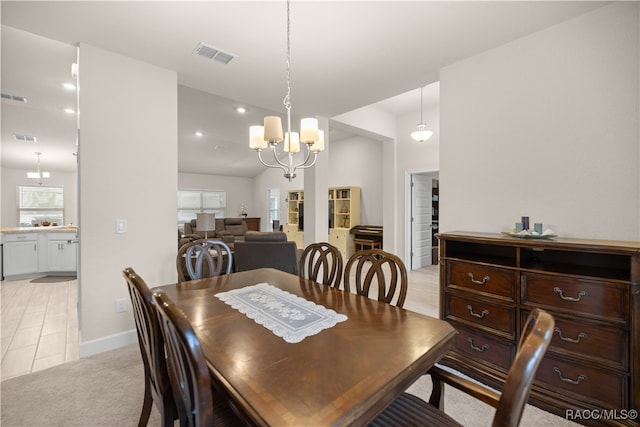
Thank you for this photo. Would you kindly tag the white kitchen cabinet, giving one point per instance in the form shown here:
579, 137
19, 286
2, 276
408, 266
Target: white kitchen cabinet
61, 252
20, 254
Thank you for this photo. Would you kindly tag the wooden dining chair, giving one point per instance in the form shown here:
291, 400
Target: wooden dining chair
157, 387
377, 267
188, 371
409, 409
203, 258
322, 263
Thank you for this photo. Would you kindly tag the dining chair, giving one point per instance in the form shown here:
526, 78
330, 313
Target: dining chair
375, 266
188, 371
157, 387
203, 258
321, 260
409, 409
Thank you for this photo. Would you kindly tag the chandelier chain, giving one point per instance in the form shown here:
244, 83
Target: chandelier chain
287, 98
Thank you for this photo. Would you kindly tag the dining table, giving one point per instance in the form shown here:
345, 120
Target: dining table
287, 351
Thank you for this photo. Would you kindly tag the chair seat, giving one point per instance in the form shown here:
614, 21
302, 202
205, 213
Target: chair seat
409, 410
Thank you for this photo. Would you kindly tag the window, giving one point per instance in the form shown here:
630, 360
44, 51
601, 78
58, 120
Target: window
40, 204
273, 202
191, 202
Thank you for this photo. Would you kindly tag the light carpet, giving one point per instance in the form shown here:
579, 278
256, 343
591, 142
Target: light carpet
107, 390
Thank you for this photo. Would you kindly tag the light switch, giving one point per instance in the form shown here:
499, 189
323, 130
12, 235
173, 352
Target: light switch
121, 225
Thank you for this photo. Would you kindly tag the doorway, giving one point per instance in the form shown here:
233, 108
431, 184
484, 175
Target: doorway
423, 219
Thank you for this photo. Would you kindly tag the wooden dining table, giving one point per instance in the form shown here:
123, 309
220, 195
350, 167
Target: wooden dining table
345, 374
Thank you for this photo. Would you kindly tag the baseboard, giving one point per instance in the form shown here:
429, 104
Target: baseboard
110, 342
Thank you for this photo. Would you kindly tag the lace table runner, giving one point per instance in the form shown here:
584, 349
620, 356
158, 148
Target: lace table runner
286, 315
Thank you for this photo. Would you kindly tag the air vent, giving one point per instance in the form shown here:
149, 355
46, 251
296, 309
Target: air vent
13, 97
25, 138
213, 53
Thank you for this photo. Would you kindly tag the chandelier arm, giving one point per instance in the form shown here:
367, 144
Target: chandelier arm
280, 165
304, 166
306, 159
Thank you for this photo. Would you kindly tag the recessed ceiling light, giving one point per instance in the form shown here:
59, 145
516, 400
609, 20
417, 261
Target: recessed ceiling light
198, 133
241, 110
69, 86
69, 110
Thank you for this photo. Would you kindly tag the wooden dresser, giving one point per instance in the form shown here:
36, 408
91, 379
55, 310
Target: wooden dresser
490, 282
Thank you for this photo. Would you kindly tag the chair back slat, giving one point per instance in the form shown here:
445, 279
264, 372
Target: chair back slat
322, 263
375, 266
203, 258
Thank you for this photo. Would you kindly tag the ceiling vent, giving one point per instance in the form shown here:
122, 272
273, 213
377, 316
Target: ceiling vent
213, 53
24, 138
13, 97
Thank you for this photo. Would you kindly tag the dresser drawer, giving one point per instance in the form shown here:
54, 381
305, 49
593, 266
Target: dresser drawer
585, 340
485, 347
601, 300
581, 380
478, 278
481, 313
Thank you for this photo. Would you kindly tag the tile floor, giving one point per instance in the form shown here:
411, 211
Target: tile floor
39, 320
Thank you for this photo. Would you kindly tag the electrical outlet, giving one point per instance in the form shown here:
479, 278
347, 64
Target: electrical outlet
121, 305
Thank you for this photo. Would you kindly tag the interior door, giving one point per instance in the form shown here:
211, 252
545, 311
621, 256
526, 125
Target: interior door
421, 211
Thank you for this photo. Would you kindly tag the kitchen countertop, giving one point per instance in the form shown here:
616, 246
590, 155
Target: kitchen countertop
49, 229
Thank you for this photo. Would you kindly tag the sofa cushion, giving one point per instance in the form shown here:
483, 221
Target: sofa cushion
265, 236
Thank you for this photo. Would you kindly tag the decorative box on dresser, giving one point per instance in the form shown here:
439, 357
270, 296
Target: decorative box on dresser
490, 282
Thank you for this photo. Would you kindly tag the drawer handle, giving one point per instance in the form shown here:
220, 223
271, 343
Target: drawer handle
580, 295
484, 280
476, 348
569, 380
581, 335
479, 316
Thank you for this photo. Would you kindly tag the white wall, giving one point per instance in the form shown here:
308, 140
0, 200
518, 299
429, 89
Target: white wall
380, 126
11, 178
239, 190
128, 170
546, 126
357, 162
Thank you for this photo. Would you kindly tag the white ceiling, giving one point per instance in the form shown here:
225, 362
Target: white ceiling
344, 55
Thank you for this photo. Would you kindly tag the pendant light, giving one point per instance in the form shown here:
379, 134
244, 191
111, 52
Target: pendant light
422, 134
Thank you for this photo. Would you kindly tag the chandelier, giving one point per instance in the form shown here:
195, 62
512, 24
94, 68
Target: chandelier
270, 134
422, 134
38, 176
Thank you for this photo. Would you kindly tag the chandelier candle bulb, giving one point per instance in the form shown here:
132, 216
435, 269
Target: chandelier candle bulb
294, 145
273, 129
309, 130
319, 144
256, 138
